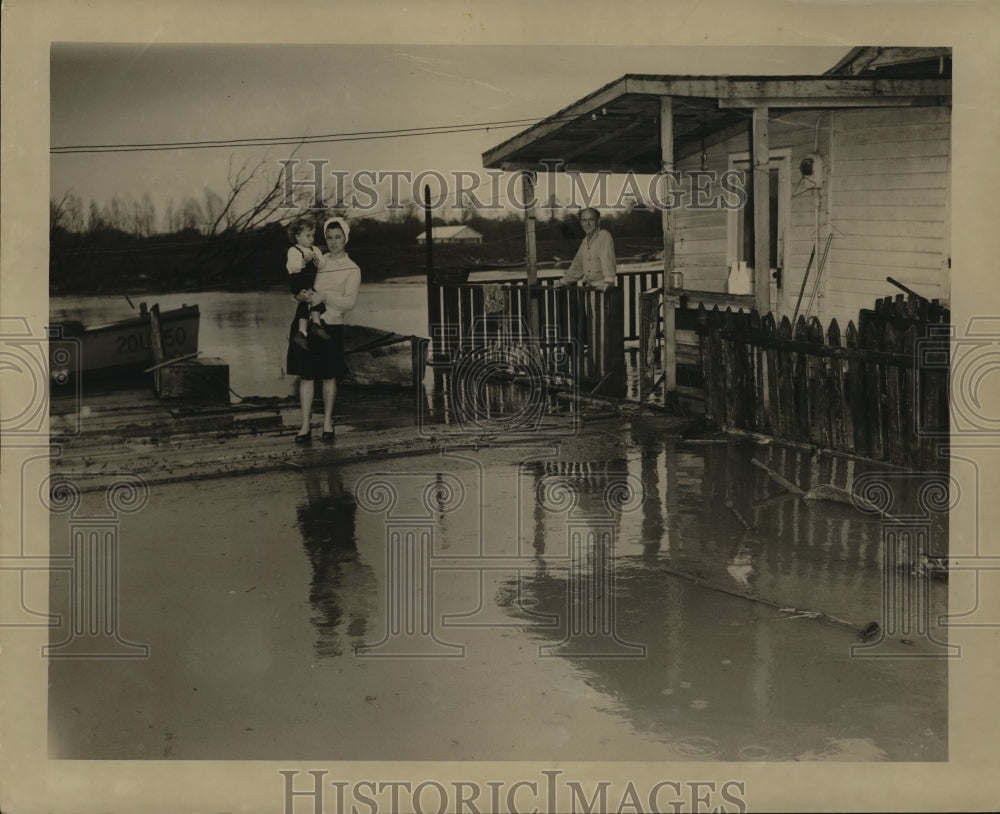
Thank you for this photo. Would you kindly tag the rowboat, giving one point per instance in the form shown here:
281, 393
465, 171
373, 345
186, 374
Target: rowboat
378, 357
120, 347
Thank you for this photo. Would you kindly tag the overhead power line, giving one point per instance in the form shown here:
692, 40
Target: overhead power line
274, 141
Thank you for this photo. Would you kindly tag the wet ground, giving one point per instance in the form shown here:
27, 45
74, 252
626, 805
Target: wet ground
622, 594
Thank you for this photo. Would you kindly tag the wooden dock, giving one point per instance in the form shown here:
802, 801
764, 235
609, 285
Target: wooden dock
130, 431
104, 435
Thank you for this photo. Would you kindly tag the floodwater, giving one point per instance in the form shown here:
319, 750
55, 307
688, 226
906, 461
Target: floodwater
619, 595
249, 330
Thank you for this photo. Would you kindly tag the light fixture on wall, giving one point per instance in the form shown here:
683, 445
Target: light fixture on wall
811, 168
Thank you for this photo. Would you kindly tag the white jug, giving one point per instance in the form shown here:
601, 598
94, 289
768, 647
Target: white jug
739, 281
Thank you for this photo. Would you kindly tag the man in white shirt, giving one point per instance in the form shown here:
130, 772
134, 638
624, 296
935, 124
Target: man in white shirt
594, 263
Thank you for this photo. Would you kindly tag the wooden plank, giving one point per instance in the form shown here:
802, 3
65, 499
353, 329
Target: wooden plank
838, 419
890, 135
649, 320
874, 395
888, 164
777, 478
873, 282
874, 258
934, 404
716, 247
689, 233
707, 370
811, 89
909, 402
901, 212
742, 395
816, 372
612, 305
720, 404
762, 208
926, 197
185, 358
733, 405
872, 181
772, 417
895, 451
786, 379
858, 443
855, 122
775, 102
801, 373
920, 146
670, 349
695, 218
715, 264
918, 244
668, 217
758, 369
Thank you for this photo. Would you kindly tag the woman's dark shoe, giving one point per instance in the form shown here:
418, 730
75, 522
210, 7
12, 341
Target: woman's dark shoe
300, 340
304, 438
328, 436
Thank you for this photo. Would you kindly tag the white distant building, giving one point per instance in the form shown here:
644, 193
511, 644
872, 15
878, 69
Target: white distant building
451, 234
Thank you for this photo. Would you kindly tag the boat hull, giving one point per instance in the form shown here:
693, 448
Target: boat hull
123, 346
382, 358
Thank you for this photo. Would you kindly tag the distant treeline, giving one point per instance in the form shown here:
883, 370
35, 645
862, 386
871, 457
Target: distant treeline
96, 256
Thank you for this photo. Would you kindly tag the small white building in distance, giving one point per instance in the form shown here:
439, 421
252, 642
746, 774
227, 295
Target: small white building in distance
451, 234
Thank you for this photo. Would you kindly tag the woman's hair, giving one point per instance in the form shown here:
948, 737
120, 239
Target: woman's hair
597, 215
298, 225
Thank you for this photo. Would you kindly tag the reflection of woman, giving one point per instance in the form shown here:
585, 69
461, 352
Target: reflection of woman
594, 263
336, 287
343, 587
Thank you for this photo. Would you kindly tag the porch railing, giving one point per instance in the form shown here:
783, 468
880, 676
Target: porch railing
632, 285
880, 392
577, 332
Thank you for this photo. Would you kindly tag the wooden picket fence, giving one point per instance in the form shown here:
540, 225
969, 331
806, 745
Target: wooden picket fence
879, 390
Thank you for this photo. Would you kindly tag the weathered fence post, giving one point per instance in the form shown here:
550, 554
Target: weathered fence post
838, 412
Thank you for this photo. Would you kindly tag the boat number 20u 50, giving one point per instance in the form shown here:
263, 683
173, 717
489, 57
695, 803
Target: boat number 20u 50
135, 342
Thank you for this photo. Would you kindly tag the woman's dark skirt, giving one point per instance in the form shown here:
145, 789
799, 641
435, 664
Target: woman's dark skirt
323, 360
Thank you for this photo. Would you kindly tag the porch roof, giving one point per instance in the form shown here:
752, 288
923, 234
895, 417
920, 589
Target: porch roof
617, 127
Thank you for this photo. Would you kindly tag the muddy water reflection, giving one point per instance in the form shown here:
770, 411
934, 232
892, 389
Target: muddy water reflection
702, 571
671, 586
343, 586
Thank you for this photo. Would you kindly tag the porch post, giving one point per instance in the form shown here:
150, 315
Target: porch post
667, 217
530, 249
760, 167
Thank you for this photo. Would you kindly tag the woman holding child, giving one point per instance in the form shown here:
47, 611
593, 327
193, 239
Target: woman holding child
316, 339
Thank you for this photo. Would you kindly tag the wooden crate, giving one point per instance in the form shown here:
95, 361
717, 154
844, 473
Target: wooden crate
204, 380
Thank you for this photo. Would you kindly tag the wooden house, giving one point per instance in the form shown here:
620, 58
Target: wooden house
856, 188
451, 234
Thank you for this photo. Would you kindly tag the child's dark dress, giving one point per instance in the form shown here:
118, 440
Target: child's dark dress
300, 361
301, 280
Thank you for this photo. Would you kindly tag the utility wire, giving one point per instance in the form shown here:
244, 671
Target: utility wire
292, 140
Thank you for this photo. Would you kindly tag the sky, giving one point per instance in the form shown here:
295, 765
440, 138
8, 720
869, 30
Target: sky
154, 93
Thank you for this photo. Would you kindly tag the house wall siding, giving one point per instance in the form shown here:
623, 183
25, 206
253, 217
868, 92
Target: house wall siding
888, 209
701, 248
884, 199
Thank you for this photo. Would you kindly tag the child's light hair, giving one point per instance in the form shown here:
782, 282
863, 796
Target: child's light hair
300, 224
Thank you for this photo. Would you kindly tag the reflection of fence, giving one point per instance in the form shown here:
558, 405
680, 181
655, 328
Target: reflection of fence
580, 319
862, 392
